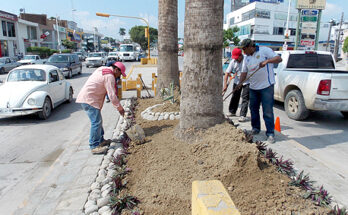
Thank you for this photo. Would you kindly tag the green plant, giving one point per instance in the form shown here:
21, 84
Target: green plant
168, 93
321, 197
137, 35
285, 166
302, 181
338, 211
66, 51
230, 36
345, 45
118, 203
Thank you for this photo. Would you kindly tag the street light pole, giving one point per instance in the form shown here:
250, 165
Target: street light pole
287, 27
337, 44
328, 37
133, 17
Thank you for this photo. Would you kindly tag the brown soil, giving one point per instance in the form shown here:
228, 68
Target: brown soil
164, 168
168, 106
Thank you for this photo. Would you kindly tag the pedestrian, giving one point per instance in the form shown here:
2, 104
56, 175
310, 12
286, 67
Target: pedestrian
261, 90
235, 67
101, 82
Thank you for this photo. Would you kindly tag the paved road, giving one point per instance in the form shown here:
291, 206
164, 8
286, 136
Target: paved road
29, 146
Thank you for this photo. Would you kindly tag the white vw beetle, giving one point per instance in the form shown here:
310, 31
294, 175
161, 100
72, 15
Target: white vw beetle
34, 89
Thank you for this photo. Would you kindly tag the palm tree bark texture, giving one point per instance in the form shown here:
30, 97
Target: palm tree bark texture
167, 68
201, 103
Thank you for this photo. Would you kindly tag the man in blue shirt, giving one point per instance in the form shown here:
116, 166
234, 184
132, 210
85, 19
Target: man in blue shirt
261, 89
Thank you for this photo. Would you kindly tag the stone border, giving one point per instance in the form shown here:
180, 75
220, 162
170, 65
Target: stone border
99, 197
152, 116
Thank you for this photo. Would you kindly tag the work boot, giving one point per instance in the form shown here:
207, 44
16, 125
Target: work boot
242, 119
99, 150
229, 114
105, 143
270, 139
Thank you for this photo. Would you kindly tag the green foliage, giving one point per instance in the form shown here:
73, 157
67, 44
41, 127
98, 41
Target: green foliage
122, 31
66, 51
168, 93
42, 51
137, 35
52, 51
68, 44
229, 36
345, 45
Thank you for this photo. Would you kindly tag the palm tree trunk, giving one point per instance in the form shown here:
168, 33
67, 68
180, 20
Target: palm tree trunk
201, 100
167, 43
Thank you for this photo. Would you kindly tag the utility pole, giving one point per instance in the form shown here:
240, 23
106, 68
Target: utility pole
337, 43
57, 26
329, 36
317, 31
298, 28
287, 35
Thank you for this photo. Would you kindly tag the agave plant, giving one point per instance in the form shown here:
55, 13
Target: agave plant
321, 197
285, 166
338, 211
302, 181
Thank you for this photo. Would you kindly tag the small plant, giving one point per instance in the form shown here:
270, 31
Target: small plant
271, 155
119, 160
302, 181
321, 197
168, 93
261, 146
338, 211
118, 203
248, 137
285, 166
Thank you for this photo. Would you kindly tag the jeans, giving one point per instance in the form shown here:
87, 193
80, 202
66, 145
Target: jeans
245, 100
264, 97
235, 100
96, 135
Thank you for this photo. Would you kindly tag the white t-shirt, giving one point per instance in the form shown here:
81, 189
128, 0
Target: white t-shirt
265, 76
235, 67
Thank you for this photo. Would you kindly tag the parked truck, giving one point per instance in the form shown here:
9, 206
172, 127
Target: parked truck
308, 81
32, 59
128, 52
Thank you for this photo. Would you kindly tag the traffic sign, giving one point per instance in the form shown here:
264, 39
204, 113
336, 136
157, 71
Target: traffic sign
308, 30
309, 18
307, 42
309, 25
309, 12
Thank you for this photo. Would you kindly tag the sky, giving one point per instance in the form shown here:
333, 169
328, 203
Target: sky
83, 12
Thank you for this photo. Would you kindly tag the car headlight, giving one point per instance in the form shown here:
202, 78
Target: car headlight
31, 101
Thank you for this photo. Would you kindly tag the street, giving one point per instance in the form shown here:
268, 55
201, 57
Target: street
29, 146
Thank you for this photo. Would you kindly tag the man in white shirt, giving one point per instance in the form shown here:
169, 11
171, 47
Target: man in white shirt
261, 84
235, 67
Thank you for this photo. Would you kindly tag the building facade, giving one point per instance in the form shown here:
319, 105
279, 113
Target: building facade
9, 34
265, 22
28, 35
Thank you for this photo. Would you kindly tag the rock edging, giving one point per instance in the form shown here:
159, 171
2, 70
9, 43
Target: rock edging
98, 201
153, 116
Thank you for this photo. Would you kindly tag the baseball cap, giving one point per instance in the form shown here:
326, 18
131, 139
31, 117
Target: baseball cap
236, 53
118, 65
247, 43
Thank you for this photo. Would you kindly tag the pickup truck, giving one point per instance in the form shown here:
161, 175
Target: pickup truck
32, 59
308, 81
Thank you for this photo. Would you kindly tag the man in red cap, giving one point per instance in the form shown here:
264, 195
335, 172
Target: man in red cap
235, 67
92, 95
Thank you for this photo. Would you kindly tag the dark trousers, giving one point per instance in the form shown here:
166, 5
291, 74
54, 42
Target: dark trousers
235, 100
265, 98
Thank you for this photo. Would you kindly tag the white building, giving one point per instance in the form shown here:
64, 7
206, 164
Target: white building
324, 36
28, 35
8, 34
265, 23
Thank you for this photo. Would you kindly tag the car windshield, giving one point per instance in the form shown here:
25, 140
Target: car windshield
59, 59
29, 57
2, 60
95, 55
26, 75
126, 48
112, 54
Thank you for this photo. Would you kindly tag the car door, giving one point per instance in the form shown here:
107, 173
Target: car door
7, 65
56, 86
76, 64
277, 68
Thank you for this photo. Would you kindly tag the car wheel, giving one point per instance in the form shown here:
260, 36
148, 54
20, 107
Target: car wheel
71, 94
80, 70
70, 74
46, 109
2, 71
295, 106
345, 114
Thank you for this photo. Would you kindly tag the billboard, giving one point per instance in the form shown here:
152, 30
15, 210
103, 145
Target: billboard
311, 4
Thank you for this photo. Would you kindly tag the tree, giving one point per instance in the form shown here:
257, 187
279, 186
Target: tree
122, 31
229, 36
137, 34
68, 44
168, 69
201, 100
345, 45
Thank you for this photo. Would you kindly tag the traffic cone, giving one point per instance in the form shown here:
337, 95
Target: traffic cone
277, 125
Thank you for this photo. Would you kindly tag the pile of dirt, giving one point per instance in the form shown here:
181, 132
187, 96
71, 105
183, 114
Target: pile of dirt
164, 168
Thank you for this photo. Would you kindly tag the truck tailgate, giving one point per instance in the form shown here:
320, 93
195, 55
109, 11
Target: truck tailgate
339, 85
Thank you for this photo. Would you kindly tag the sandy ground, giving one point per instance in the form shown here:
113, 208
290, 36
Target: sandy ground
164, 168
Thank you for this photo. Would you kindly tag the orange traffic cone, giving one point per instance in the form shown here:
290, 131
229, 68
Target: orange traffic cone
277, 125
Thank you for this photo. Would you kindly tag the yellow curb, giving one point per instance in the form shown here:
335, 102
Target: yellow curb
211, 198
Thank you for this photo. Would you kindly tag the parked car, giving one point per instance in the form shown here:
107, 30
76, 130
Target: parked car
32, 59
69, 64
113, 56
82, 57
34, 89
96, 59
308, 81
7, 63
